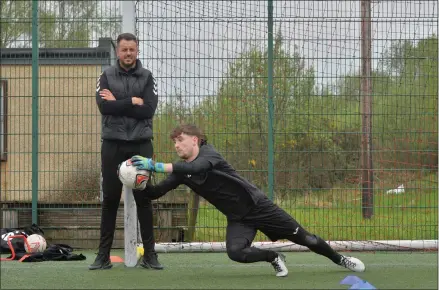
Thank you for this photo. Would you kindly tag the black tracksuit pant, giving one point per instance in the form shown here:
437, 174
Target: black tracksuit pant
113, 152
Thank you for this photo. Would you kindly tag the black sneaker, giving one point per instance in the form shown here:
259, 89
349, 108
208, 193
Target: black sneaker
149, 261
102, 261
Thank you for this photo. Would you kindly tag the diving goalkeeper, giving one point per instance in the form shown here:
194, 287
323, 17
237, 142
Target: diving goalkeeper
246, 207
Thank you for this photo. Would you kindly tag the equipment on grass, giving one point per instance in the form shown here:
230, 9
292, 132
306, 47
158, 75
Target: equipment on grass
35, 243
17, 244
140, 252
356, 283
11, 247
131, 177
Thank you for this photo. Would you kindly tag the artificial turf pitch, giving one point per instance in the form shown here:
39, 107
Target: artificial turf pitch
384, 270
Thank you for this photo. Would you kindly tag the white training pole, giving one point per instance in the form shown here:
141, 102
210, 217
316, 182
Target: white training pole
130, 228
130, 211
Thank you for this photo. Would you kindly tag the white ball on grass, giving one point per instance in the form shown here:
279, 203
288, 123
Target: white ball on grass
37, 243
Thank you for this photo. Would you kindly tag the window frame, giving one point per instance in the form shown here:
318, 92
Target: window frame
4, 125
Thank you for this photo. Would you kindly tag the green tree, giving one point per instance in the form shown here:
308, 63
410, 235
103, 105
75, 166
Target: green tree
409, 110
349, 86
241, 118
61, 23
404, 90
396, 57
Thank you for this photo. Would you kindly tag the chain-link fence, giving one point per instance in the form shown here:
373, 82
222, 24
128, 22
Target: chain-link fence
329, 107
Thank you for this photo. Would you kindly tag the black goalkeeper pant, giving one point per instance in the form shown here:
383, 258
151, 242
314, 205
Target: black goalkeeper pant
276, 224
112, 154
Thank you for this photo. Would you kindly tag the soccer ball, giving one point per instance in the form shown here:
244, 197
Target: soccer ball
131, 177
36, 243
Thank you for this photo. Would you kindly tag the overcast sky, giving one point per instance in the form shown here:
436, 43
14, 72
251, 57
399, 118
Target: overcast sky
189, 44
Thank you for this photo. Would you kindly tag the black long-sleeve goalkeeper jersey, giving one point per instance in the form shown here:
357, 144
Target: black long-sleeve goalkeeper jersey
213, 178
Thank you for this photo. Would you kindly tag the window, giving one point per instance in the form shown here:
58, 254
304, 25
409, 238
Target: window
3, 121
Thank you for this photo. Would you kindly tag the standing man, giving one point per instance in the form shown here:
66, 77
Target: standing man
246, 207
126, 95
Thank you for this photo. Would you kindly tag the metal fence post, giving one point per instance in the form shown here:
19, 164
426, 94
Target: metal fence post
270, 103
35, 111
366, 99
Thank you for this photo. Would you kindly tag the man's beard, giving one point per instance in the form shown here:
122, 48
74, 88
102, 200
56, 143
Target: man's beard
128, 66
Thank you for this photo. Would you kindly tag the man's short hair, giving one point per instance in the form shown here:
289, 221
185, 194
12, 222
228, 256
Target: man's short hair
191, 130
127, 37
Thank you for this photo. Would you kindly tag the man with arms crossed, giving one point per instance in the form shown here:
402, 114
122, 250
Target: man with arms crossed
246, 207
126, 95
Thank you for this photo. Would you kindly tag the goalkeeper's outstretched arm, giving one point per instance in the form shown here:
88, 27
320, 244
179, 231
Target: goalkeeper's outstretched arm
159, 190
199, 165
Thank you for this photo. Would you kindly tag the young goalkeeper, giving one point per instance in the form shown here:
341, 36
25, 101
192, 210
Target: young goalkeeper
246, 207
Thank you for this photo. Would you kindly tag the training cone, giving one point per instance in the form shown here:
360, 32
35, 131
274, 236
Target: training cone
116, 259
362, 285
351, 280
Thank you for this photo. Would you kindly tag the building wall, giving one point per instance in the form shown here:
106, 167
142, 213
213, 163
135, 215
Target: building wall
69, 133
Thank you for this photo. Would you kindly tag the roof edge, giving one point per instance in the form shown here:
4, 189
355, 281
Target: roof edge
102, 54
